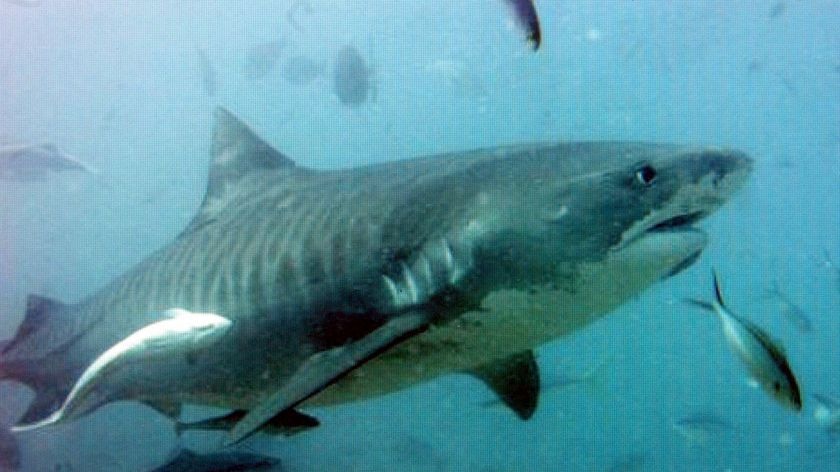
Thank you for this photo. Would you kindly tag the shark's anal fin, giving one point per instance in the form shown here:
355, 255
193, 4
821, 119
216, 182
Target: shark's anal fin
324, 368
516, 380
237, 153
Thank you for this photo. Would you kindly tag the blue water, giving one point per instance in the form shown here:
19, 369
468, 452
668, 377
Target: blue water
118, 85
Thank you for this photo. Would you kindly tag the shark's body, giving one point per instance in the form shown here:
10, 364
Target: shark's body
347, 284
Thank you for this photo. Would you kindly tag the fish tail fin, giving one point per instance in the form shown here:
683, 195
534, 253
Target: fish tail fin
180, 427
33, 356
700, 303
718, 295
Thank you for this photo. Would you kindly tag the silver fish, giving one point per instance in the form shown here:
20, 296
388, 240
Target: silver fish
180, 333
526, 15
790, 310
698, 428
763, 357
827, 413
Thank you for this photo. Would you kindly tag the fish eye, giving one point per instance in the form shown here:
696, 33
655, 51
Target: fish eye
777, 386
646, 174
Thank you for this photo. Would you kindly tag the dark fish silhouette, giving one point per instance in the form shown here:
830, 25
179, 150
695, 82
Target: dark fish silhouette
206, 71
302, 70
188, 461
777, 10
261, 59
351, 77
526, 14
34, 161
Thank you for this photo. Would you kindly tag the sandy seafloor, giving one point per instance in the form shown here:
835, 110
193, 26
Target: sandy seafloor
120, 86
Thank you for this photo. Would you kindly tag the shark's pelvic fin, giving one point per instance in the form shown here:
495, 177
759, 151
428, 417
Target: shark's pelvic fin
324, 368
516, 380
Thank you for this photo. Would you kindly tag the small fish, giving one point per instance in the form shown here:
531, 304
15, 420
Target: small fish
261, 59
351, 77
698, 428
188, 461
24, 3
182, 331
526, 15
762, 356
206, 71
287, 423
827, 413
29, 162
302, 70
777, 10
9, 450
790, 310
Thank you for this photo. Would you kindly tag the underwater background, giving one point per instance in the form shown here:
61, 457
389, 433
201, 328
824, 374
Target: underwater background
129, 88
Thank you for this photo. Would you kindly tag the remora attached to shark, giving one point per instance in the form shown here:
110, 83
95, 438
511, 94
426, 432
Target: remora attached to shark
346, 284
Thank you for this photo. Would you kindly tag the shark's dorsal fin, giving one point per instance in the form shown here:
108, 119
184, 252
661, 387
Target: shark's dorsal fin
237, 154
516, 380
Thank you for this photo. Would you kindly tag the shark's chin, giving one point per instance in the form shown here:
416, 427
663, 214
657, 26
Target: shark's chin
666, 250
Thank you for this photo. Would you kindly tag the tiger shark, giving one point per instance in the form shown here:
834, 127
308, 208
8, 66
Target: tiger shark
347, 284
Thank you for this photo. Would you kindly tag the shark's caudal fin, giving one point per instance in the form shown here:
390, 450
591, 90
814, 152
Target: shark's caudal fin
46, 329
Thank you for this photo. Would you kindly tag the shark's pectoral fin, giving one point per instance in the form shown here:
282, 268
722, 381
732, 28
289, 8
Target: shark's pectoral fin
324, 368
516, 380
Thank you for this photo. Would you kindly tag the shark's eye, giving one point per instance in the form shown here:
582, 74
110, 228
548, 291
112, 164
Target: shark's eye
646, 174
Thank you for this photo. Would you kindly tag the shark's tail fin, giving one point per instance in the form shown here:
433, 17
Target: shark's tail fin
33, 356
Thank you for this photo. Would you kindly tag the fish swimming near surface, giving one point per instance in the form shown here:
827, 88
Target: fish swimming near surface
777, 10
286, 423
9, 451
181, 333
790, 310
188, 461
351, 77
827, 413
302, 70
24, 3
348, 284
698, 428
28, 162
207, 73
526, 15
260, 59
764, 358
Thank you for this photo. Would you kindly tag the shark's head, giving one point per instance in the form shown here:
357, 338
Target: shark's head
585, 203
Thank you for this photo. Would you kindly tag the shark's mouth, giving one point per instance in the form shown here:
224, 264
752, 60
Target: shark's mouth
678, 222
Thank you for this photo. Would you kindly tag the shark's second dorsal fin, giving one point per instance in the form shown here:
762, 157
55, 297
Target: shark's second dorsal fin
236, 154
